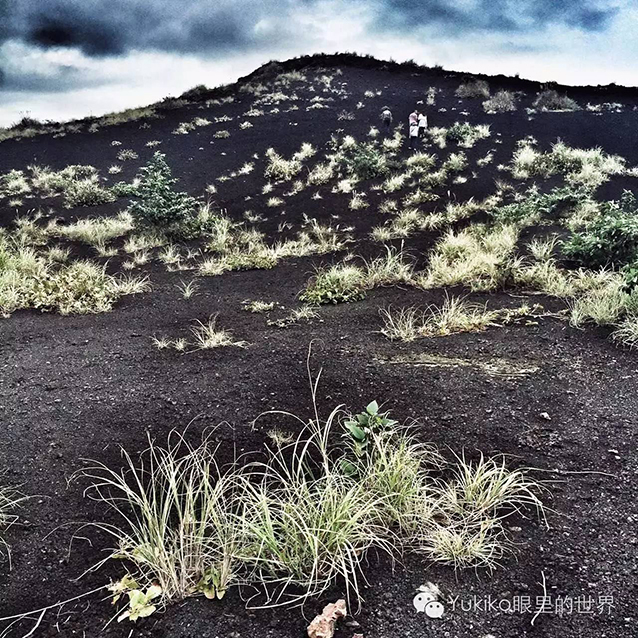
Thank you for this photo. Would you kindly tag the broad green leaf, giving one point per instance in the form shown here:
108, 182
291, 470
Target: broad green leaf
357, 432
153, 592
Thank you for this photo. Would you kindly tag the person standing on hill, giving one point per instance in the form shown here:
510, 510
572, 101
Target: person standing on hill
413, 127
423, 124
386, 119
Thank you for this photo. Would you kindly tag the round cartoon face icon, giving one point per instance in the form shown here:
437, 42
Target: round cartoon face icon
434, 609
421, 600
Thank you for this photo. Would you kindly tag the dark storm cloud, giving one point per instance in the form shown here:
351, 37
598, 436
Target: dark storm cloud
502, 16
112, 27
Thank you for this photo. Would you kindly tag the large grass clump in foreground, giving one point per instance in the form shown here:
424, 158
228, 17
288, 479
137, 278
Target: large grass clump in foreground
304, 515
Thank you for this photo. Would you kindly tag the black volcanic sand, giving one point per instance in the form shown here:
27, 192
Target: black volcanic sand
78, 387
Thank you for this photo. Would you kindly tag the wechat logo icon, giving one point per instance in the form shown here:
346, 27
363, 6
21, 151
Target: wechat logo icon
426, 601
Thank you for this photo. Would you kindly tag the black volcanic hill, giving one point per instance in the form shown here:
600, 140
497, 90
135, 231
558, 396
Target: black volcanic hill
501, 210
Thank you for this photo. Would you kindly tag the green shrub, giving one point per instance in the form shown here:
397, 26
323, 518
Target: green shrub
473, 89
367, 162
467, 135
502, 102
534, 206
610, 239
363, 160
551, 100
338, 284
87, 192
159, 206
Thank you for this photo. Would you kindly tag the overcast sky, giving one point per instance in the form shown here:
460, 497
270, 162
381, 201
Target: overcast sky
63, 59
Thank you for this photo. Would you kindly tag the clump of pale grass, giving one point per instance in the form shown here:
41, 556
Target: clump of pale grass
336, 284
501, 102
453, 316
176, 519
473, 89
603, 307
626, 332
543, 249
279, 168
208, 335
188, 289
29, 280
345, 281
477, 256
94, 231
258, 306
393, 268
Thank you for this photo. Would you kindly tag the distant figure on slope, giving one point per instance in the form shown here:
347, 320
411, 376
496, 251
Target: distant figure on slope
423, 124
413, 128
386, 119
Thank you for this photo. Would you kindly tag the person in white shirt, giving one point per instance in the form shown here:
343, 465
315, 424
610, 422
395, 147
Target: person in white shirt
413, 127
423, 124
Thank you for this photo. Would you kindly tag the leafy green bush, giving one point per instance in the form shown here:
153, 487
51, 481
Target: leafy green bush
363, 160
465, 134
536, 206
159, 206
87, 192
502, 102
337, 284
367, 162
610, 239
551, 100
459, 131
473, 89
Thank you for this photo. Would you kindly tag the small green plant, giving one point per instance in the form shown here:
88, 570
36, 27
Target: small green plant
158, 205
361, 427
212, 584
140, 603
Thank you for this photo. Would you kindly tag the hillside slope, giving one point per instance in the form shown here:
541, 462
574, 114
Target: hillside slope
543, 385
